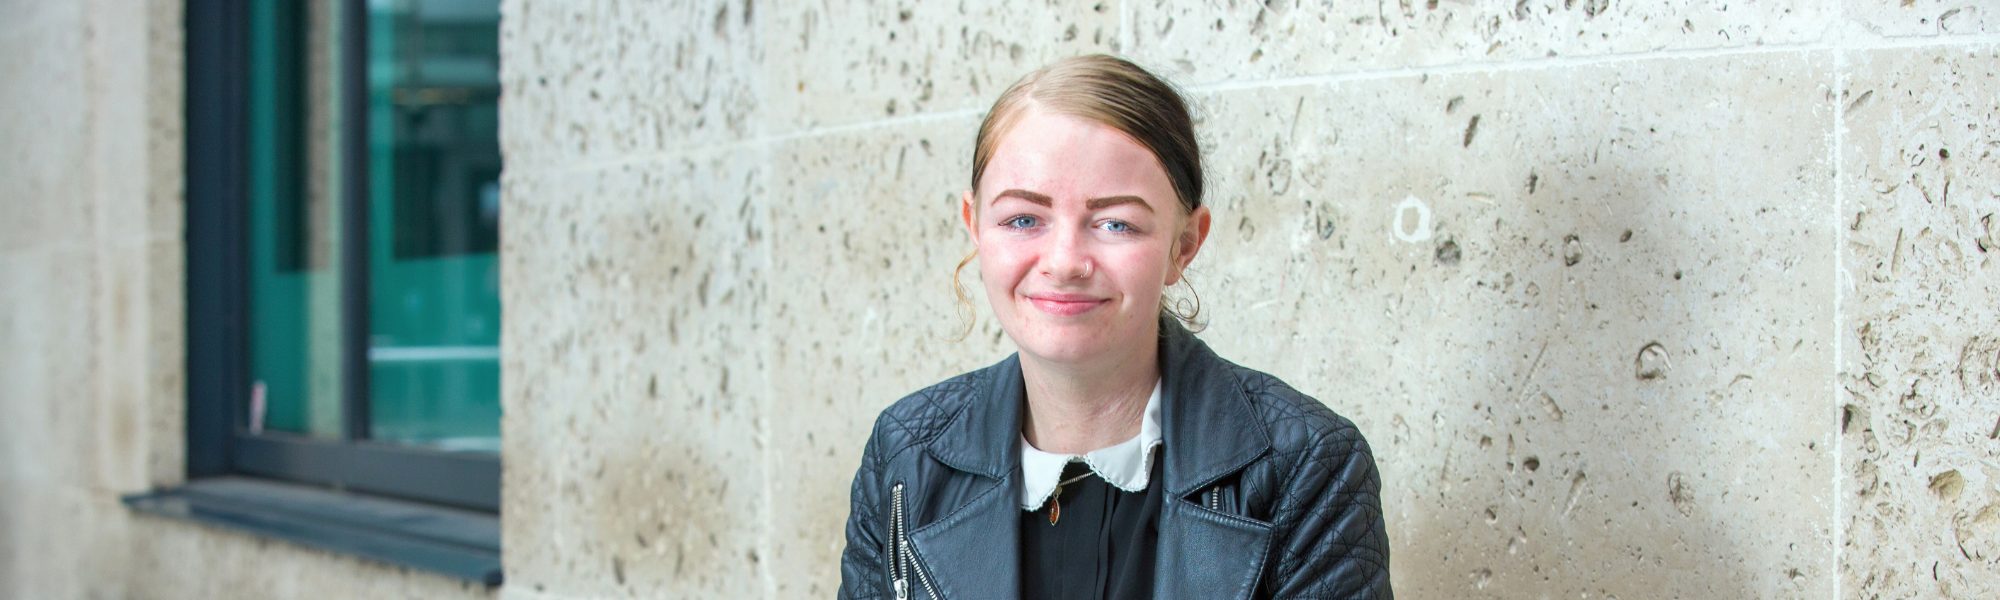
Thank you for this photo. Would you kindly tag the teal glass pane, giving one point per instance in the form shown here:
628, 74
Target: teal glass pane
434, 219
294, 311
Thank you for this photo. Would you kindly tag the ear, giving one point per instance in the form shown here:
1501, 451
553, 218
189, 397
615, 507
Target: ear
967, 208
1193, 234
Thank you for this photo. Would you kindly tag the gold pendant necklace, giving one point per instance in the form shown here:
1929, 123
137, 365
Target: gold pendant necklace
1055, 501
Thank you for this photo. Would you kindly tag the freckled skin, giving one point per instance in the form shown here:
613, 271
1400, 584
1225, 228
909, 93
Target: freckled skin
1078, 287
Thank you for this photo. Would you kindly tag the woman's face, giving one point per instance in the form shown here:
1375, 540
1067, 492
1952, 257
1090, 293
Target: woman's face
1079, 231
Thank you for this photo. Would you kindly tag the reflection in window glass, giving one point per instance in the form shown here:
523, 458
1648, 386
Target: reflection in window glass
434, 219
294, 293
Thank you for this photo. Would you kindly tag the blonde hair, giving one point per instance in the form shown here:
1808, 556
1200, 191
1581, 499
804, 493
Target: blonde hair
1115, 93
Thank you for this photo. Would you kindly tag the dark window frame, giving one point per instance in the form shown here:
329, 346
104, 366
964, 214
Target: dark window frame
421, 509
218, 269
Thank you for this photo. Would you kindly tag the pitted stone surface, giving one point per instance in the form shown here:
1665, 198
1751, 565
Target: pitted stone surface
1553, 327
1213, 42
604, 80
1920, 376
631, 339
851, 61
1924, 18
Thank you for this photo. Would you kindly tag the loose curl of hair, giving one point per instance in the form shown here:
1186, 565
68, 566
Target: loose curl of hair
1115, 93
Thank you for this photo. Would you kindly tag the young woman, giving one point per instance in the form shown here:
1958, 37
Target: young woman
1114, 456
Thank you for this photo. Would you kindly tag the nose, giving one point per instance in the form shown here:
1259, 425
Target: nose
1068, 257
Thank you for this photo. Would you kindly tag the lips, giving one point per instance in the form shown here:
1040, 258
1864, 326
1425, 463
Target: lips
1066, 305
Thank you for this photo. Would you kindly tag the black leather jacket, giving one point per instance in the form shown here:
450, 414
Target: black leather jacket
1272, 495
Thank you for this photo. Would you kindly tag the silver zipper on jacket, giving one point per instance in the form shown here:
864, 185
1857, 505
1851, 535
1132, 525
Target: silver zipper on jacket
896, 546
904, 563
1215, 499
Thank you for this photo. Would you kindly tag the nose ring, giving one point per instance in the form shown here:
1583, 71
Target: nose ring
1087, 268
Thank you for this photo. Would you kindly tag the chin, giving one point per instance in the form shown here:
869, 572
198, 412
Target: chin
1067, 342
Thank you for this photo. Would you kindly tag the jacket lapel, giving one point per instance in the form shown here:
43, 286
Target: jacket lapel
1210, 431
1207, 425
972, 551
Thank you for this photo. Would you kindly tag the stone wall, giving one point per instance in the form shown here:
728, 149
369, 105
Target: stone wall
92, 327
1634, 299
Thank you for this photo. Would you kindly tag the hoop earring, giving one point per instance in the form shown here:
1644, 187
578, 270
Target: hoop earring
1179, 309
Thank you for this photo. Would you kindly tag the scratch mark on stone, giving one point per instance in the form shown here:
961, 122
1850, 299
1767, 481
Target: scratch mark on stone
1533, 367
1860, 101
1896, 256
1297, 110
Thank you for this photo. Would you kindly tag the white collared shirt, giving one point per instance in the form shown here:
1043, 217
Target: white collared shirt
1126, 466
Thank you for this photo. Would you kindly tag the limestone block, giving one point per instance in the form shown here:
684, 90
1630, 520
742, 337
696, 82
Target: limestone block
632, 401
1212, 42
163, 409
1920, 365
65, 539
119, 107
599, 80
27, 15
836, 63
1583, 314
43, 182
866, 316
117, 448
48, 392
166, 119
1919, 18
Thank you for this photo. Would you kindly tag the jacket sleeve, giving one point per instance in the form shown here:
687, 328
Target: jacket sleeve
1330, 539
862, 567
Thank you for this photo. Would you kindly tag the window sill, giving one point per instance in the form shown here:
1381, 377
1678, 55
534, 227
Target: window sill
454, 542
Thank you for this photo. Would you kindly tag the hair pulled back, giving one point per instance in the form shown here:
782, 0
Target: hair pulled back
1112, 92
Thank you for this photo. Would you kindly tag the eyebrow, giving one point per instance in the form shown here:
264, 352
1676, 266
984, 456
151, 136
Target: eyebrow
1093, 204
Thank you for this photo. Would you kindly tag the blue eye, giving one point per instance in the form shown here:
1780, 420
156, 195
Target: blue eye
1021, 222
1117, 227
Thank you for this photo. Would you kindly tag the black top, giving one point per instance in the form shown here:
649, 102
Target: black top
1100, 547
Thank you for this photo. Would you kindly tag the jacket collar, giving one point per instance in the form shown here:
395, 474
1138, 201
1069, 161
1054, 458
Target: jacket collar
1208, 424
1208, 427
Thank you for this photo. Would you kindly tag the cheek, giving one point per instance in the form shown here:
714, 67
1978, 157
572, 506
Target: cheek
1002, 265
1142, 272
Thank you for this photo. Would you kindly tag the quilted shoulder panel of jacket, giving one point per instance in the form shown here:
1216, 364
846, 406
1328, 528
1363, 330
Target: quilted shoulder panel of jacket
916, 419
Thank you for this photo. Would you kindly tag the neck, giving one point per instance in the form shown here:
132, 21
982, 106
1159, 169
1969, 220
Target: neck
1073, 409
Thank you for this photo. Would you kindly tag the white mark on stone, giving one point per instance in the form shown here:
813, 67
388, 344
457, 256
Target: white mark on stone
1412, 233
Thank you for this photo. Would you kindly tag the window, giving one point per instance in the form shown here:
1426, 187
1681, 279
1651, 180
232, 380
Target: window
343, 294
